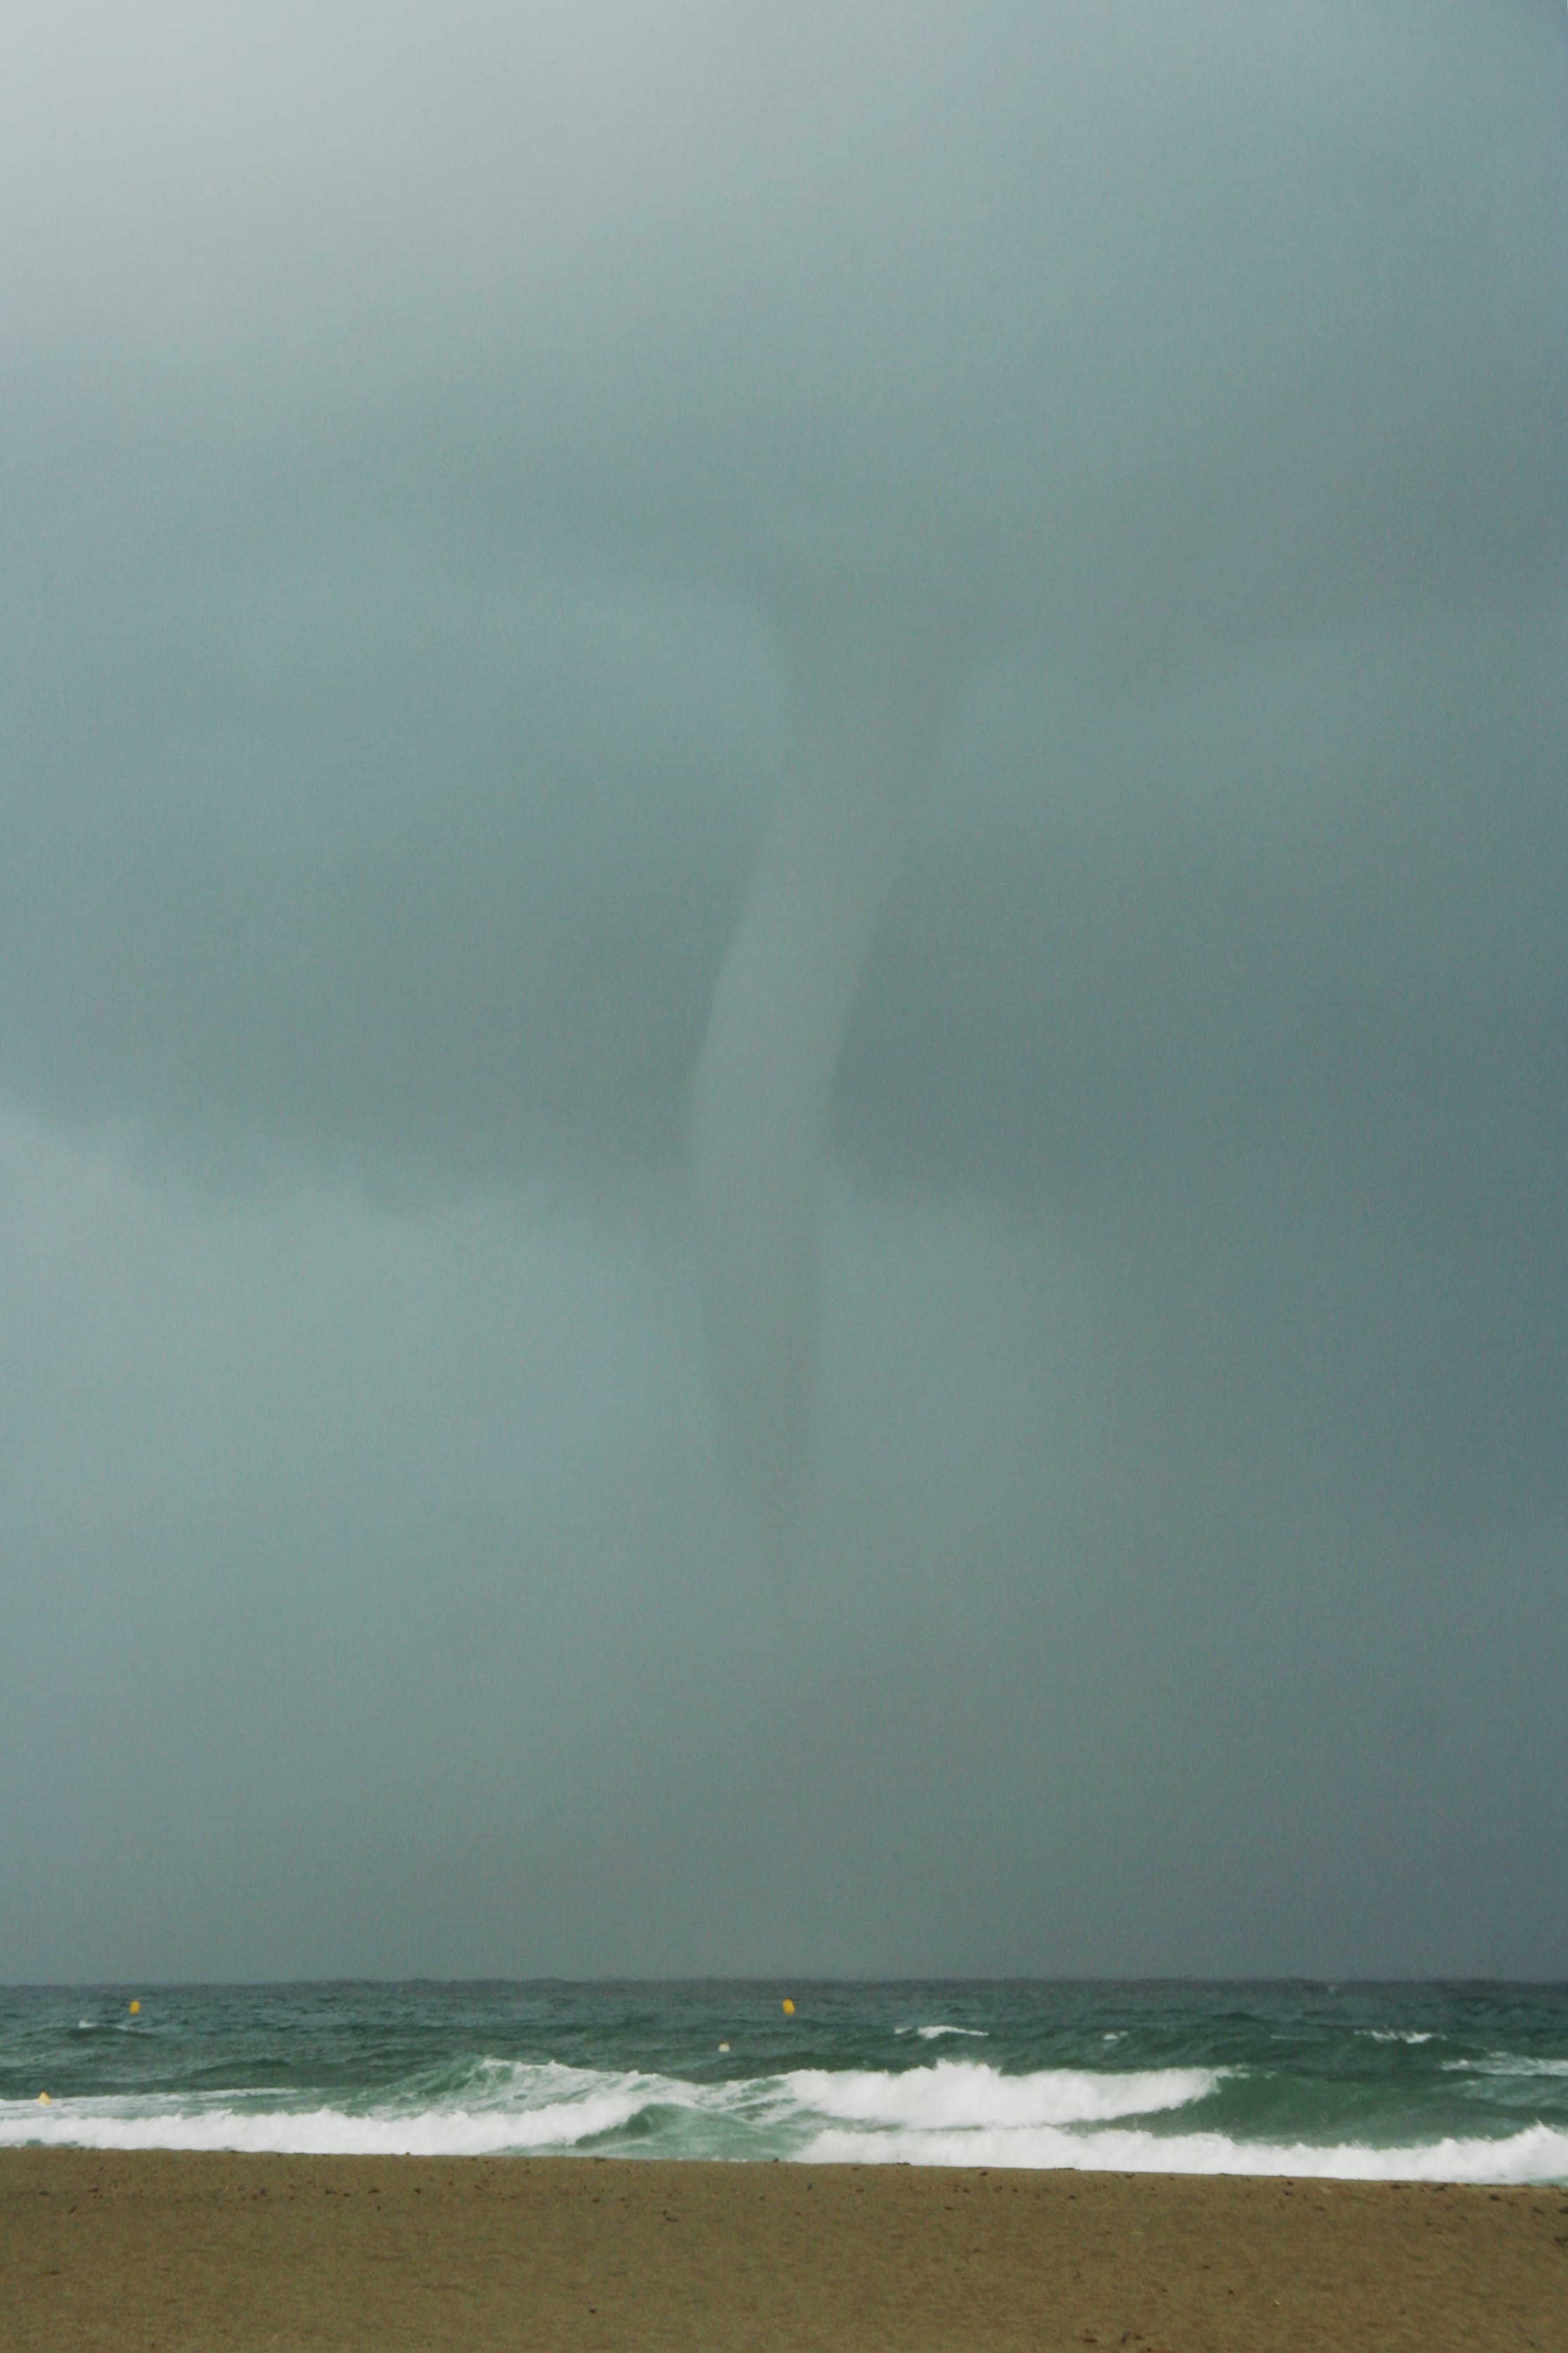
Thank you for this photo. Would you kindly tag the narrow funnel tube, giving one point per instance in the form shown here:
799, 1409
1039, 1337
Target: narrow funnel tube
872, 679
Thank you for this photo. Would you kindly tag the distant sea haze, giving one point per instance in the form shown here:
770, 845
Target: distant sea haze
1415, 2082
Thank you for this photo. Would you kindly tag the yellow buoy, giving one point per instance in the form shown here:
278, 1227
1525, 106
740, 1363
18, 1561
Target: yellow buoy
788, 2007
136, 2007
43, 2099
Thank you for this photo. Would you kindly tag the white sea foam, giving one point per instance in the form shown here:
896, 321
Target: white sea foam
310, 2132
502, 2107
319, 2132
503, 2104
935, 2034
951, 2112
1538, 2154
1504, 2062
968, 2095
1391, 2034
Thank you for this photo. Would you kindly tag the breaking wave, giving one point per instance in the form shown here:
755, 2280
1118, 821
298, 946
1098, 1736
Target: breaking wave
969, 2096
950, 2112
1538, 2154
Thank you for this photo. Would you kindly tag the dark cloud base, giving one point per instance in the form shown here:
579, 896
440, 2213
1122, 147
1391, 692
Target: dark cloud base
405, 495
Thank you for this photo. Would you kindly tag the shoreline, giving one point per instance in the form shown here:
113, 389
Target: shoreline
218, 2252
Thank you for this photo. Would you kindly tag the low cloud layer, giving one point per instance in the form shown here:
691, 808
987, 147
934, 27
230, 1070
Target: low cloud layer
424, 441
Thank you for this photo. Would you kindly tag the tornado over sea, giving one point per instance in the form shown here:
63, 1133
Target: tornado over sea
874, 669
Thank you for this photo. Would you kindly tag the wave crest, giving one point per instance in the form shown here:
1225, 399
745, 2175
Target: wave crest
967, 2095
1538, 2154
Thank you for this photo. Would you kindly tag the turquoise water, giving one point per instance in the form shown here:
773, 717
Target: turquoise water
1427, 2082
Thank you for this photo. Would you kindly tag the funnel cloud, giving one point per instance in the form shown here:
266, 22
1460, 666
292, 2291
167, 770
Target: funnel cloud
873, 672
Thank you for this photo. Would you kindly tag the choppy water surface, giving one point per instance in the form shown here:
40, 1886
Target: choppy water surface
1460, 2082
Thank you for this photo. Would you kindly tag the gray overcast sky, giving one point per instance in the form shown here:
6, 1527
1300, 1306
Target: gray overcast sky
461, 469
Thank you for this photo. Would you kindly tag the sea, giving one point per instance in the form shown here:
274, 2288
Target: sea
1356, 2081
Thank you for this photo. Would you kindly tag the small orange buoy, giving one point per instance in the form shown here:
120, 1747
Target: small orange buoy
43, 2099
788, 2007
135, 2009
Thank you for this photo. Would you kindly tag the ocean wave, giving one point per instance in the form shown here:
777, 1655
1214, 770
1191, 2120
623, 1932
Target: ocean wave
514, 2106
968, 2095
1537, 2155
948, 2112
935, 2034
310, 2132
456, 2131
1392, 2035
1503, 2062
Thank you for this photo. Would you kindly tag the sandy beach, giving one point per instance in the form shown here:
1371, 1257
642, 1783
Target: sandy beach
212, 2251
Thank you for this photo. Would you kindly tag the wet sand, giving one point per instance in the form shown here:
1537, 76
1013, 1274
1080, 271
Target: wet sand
284, 2254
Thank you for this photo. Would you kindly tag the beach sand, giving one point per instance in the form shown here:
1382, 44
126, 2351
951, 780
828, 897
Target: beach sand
128, 2253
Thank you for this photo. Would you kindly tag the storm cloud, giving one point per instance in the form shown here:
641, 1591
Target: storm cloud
466, 480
